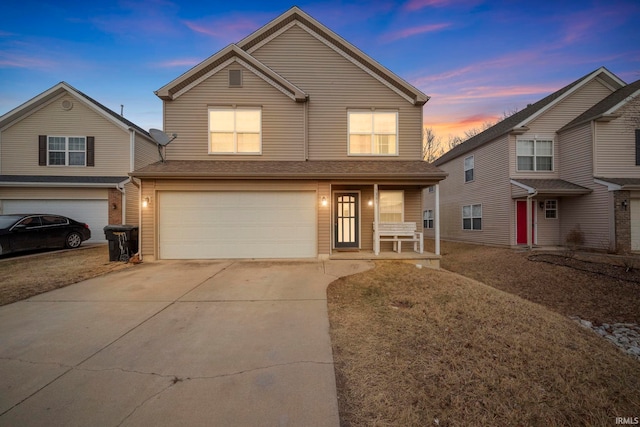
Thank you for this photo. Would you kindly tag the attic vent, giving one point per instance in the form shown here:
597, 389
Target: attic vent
235, 78
66, 105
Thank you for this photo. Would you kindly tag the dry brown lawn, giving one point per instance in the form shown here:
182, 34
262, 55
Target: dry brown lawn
25, 276
418, 347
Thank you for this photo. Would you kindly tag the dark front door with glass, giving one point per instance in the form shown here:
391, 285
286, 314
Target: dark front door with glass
346, 220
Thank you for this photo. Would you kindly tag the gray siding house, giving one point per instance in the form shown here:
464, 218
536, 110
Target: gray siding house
292, 143
567, 162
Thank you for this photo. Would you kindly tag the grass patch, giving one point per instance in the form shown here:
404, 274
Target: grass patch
24, 277
422, 347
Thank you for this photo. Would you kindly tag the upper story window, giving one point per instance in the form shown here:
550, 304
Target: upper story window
391, 206
468, 169
235, 131
373, 133
66, 151
534, 155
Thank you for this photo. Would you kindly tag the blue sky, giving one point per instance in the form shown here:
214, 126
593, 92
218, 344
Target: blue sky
476, 59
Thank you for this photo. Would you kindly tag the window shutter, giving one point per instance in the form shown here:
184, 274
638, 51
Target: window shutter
637, 147
42, 150
91, 151
235, 78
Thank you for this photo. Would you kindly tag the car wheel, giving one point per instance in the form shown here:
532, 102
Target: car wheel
73, 240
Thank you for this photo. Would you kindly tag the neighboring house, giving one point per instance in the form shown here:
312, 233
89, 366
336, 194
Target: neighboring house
291, 143
568, 162
64, 153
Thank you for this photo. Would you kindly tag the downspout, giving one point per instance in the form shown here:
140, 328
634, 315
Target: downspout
437, 219
530, 220
306, 128
138, 184
123, 200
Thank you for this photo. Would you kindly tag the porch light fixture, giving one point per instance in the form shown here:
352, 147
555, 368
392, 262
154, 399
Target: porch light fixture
370, 203
324, 202
145, 202
623, 204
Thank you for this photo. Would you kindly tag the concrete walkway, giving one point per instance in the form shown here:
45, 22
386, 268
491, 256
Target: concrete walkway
194, 343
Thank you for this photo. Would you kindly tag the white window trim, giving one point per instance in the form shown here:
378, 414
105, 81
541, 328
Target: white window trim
403, 202
535, 154
371, 153
67, 151
472, 217
473, 168
426, 217
556, 209
235, 133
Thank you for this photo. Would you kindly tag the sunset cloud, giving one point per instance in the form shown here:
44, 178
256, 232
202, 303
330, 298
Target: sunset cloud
16, 60
179, 62
412, 31
227, 28
413, 5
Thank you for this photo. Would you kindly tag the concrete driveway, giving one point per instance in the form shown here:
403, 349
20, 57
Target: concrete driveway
238, 343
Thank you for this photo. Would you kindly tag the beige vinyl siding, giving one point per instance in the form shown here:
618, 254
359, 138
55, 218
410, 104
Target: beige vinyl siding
548, 230
145, 153
19, 155
132, 204
590, 212
334, 85
187, 116
490, 187
518, 192
324, 219
615, 145
148, 228
547, 124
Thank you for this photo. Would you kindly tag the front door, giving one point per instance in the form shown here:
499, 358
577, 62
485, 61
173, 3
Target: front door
346, 220
521, 222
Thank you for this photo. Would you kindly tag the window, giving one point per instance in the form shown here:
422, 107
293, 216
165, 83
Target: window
235, 131
66, 151
534, 155
427, 218
472, 217
391, 206
431, 188
468, 169
373, 133
551, 209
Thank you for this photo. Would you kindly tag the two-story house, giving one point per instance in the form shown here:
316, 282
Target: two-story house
64, 153
291, 143
563, 164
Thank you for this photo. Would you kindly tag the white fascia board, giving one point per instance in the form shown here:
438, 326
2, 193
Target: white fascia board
610, 185
628, 99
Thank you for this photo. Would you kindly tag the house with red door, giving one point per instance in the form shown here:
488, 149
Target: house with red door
567, 165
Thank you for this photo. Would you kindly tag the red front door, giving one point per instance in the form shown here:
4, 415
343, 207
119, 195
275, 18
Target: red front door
521, 222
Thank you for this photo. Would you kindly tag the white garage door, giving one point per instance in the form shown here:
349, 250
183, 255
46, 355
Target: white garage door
92, 212
245, 224
635, 224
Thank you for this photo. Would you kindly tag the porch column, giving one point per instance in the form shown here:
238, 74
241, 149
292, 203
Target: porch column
376, 219
437, 219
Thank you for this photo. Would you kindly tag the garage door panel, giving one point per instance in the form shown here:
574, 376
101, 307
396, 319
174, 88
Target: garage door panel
237, 225
92, 212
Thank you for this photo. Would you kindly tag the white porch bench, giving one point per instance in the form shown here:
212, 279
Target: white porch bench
398, 232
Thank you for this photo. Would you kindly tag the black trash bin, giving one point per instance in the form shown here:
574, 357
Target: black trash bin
123, 241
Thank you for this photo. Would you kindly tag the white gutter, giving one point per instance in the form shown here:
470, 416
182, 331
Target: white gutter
530, 220
437, 219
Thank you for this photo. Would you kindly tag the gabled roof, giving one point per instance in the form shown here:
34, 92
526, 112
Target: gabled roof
518, 122
218, 61
294, 16
607, 108
615, 184
58, 90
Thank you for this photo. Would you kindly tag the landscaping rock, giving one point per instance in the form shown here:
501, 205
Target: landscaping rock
626, 336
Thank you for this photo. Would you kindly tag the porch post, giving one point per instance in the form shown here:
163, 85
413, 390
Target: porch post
437, 219
376, 218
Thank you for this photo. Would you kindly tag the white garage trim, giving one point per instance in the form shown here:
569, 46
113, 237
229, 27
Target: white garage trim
237, 224
93, 212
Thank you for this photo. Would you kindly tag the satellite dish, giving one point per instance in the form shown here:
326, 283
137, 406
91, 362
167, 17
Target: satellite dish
162, 139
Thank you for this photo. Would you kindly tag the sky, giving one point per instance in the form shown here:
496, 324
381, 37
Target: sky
477, 59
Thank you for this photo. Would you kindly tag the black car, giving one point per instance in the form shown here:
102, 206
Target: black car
40, 231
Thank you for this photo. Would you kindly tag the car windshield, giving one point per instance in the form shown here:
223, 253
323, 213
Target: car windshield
7, 221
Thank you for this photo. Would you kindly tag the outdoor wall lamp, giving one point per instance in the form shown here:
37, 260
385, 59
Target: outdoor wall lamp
623, 204
145, 202
324, 202
370, 203
541, 205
